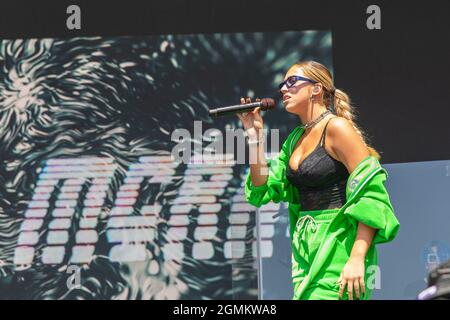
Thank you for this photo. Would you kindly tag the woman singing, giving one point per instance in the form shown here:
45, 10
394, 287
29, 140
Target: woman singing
333, 182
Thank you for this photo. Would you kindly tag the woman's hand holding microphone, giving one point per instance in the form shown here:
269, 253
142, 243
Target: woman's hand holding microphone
252, 122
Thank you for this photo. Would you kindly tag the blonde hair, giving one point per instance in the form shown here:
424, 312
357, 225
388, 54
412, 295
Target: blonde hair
341, 102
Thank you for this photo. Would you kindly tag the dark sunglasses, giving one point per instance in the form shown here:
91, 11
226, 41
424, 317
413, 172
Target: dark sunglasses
289, 82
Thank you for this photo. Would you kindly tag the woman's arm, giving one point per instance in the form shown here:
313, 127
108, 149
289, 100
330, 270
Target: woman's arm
362, 242
349, 148
352, 275
258, 163
253, 125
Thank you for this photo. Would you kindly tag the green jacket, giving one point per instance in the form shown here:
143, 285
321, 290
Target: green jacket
367, 201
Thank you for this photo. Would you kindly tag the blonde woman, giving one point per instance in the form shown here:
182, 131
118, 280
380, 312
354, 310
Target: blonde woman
332, 180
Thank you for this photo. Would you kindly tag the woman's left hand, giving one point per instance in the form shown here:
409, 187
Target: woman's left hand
352, 276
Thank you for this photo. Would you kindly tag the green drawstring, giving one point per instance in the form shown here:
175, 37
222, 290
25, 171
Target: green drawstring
303, 221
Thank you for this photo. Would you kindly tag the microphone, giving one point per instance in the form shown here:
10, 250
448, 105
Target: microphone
265, 104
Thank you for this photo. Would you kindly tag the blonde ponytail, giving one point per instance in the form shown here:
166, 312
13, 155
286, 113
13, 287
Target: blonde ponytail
344, 109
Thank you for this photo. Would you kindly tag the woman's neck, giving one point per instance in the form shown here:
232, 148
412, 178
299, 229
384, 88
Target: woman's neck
311, 113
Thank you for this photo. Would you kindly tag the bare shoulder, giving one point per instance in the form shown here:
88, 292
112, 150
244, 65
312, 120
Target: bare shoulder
341, 130
339, 126
347, 144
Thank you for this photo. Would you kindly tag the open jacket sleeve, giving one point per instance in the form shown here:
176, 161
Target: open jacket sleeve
277, 188
373, 207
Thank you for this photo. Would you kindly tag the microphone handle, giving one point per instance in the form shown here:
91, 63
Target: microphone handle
236, 109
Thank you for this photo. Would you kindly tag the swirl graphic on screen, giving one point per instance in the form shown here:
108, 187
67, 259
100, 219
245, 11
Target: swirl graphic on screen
85, 175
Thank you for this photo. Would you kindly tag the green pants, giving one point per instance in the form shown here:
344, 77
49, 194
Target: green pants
310, 231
